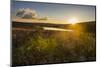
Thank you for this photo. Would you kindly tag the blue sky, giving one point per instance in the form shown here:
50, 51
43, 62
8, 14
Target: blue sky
58, 11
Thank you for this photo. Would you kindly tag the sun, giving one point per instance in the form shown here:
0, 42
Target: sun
73, 21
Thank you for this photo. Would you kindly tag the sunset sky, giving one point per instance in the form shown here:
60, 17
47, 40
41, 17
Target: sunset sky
58, 12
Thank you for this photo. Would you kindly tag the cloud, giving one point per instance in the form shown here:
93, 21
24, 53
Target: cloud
43, 18
26, 13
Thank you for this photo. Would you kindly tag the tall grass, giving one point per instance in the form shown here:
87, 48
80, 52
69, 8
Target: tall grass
55, 47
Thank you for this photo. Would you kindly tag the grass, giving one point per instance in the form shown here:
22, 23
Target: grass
52, 47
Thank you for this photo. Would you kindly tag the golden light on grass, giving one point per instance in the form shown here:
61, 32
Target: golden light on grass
73, 21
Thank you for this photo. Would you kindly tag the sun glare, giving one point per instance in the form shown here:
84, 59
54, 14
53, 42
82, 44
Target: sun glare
73, 21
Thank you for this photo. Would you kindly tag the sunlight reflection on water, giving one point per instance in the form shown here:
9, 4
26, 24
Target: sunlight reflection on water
56, 29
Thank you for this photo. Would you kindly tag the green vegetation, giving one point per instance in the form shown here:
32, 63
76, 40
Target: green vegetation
52, 47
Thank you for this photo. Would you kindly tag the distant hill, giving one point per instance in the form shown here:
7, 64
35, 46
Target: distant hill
88, 26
